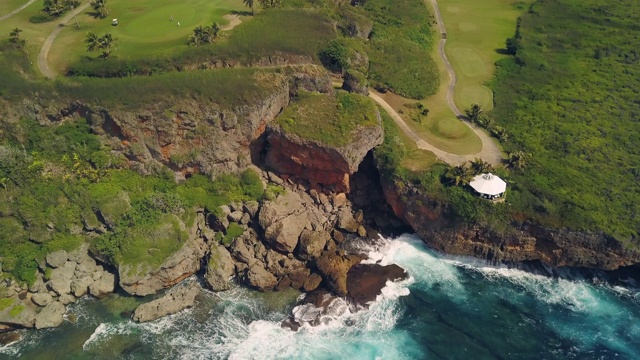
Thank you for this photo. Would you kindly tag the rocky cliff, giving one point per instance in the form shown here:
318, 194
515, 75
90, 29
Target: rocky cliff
434, 223
187, 134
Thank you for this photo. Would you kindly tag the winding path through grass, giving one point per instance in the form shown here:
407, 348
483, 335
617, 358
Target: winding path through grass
43, 65
4, 17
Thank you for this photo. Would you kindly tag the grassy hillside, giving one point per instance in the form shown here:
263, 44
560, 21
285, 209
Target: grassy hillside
569, 97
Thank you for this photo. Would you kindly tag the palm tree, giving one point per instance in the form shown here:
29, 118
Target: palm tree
250, 4
215, 30
105, 44
459, 175
93, 42
100, 7
473, 113
196, 38
517, 160
479, 166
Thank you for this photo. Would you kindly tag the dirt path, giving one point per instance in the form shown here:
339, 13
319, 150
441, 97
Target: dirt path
452, 159
490, 151
234, 20
4, 17
43, 65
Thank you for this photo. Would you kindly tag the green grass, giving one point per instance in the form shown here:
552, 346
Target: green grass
7, 6
267, 34
16, 310
6, 302
399, 47
440, 128
144, 29
569, 98
476, 30
328, 119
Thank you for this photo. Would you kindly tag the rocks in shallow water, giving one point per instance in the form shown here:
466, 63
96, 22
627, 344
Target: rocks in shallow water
80, 287
50, 316
334, 269
177, 299
57, 259
312, 283
260, 278
41, 299
103, 286
219, 268
365, 281
9, 338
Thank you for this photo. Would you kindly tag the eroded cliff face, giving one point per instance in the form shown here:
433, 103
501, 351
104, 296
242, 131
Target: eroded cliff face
188, 135
321, 165
434, 223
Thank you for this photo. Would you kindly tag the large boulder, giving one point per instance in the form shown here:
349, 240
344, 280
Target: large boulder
283, 219
18, 314
60, 278
219, 268
51, 316
334, 268
346, 221
260, 278
104, 286
57, 259
80, 287
365, 281
356, 82
312, 243
177, 299
143, 279
42, 299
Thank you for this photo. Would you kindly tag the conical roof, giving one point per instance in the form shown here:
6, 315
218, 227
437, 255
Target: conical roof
488, 184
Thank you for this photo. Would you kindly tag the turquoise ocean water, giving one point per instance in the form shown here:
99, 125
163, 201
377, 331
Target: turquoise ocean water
449, 308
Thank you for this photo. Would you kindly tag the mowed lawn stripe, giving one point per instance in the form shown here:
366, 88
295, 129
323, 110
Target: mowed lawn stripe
476, 31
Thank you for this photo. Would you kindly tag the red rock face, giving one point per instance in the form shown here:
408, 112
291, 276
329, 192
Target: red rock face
526, 241
308, 161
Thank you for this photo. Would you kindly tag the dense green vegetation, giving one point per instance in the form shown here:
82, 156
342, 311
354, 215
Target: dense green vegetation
569, 97
269, 33
57, 180
462, 204
225, 87
400, 48
331, 120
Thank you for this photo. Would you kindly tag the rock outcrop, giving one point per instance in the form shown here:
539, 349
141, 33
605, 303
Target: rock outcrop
141, 279
43, 304
435, 224
330, 166
177, 299
219, 268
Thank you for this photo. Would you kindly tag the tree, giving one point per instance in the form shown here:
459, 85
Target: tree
204, 35
93, 42
517, 160
473, 113
14, 38
459, 175
56, 8
100, 7
479, 166
250, 4
105, 44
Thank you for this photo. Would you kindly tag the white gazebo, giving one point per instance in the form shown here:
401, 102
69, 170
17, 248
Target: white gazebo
488, 186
